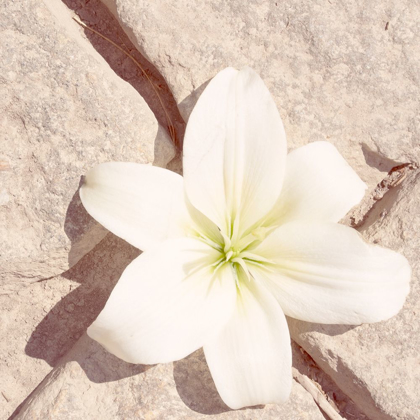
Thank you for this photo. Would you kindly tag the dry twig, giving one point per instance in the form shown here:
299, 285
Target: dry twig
171, 127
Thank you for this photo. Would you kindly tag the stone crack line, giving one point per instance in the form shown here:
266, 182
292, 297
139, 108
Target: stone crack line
395, 177
329, 397
170, 125
317, 395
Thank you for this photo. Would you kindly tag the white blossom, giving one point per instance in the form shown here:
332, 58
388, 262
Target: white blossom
247, 236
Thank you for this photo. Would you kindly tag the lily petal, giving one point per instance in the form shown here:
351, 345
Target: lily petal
234, 143
142, 204
250, 359
326, 273
167, 304
319, 185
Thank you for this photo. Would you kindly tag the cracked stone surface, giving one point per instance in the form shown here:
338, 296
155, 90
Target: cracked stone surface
91, 383
43, 320
378, 365
87, 381
62, 110
346, 72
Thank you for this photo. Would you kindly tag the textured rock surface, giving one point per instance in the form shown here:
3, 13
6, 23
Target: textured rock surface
20, 313
347, 73
42, 321
62, 110
378, 365
91, 383
342, 71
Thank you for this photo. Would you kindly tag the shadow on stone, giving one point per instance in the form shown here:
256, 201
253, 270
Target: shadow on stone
94, 14
381, 207
83, 231
325, 329
99, 365
195, 385
95, 275
376, 160
187, 105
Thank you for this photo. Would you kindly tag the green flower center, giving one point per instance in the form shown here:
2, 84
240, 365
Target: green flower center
239, 254
237, 251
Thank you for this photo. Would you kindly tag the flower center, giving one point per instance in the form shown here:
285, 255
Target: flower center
239, 255
238, 251
235, 258
230, 251
231, 255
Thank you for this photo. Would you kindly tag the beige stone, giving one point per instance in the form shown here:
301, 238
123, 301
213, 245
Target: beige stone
346, 72
62, 110
20, 313
91, 383
42, 321
378, 365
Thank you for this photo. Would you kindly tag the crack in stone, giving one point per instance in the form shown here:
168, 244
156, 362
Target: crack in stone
96, 15
323, 389
397, 176
336, 398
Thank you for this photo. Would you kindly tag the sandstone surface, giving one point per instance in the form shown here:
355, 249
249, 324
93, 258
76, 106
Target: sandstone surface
20, 313
42, 321
62, 110
346, 72
91, 383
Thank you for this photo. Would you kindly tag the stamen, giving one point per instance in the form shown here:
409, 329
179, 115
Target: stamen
228, 242
235, 232
261, 265
246, 241
219, 263
235, 275
207, 241
241, 262
229, 255
254, 257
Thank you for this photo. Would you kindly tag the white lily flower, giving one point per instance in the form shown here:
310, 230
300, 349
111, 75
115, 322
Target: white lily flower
247, 236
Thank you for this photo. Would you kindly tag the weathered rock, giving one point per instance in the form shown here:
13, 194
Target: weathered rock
337, 400
345, 72
378, 365
62, 110
20, 313
41, 322
91, 383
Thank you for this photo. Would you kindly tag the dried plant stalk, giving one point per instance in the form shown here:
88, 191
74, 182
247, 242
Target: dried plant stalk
170, 126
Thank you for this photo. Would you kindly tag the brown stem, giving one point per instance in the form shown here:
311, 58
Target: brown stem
171, 127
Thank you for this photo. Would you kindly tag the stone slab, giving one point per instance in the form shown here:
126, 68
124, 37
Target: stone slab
62, 110
42, 321
91, 383
346, 72
20, 313
378, 365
